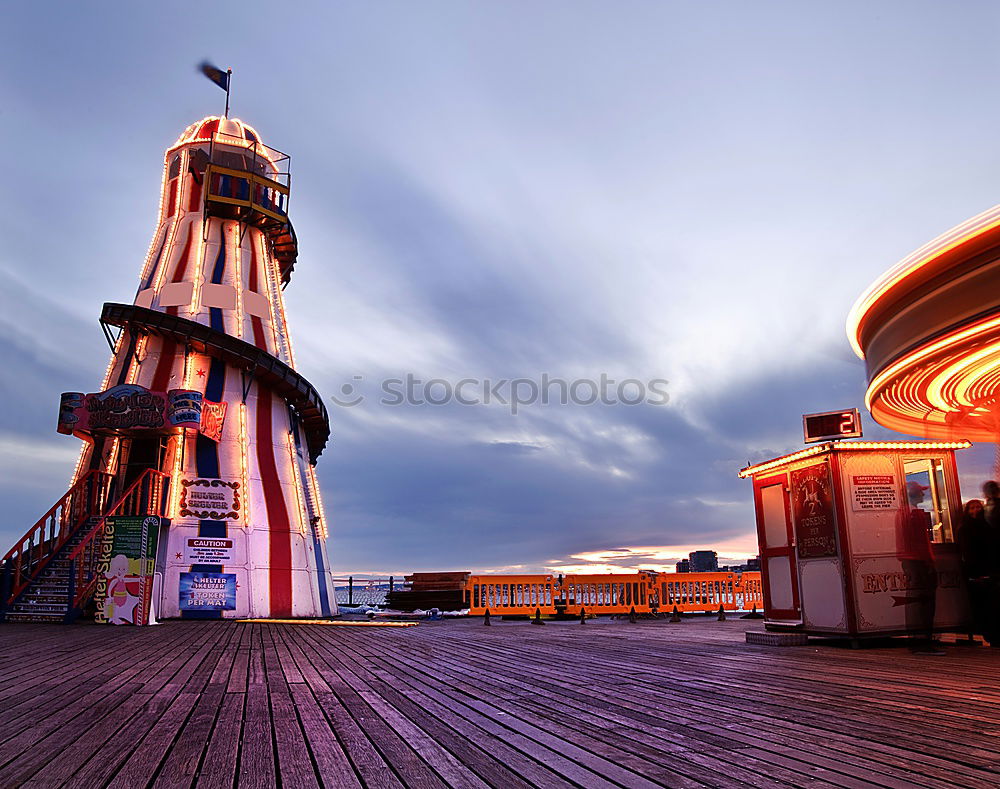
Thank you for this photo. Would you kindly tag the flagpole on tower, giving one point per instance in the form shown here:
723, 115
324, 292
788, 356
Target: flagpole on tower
221, 78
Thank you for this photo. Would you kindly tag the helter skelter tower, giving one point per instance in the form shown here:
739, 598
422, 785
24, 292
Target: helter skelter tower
208, 328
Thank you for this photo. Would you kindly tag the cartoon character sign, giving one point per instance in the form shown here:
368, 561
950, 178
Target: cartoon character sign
125, 563
124, 590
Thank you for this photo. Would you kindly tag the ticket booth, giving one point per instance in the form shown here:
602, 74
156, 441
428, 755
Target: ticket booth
836, 525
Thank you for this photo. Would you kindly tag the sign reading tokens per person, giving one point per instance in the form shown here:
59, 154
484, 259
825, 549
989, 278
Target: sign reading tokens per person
873, 492
812, 505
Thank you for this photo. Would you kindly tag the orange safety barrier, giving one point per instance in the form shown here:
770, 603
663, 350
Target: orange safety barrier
511, 594
617, 593
701, 591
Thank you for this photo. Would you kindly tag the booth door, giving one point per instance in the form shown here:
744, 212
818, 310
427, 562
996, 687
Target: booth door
777, 550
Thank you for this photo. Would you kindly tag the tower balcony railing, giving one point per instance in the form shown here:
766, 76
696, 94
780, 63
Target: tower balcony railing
242, 188
249, 181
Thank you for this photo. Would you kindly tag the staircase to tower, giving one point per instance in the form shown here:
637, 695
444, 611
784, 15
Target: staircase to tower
51, 572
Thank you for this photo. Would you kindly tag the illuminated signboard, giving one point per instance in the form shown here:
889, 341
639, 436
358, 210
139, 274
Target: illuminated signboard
831, 424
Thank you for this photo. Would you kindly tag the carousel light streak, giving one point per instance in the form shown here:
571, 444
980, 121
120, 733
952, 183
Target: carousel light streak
915, 262
934, 362
938, 389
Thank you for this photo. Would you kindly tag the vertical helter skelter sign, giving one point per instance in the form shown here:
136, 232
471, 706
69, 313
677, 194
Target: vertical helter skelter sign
125, 568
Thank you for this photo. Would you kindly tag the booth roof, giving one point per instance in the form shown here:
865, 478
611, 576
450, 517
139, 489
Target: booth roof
848, 446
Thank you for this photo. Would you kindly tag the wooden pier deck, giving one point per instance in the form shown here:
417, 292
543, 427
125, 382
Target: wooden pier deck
457, 704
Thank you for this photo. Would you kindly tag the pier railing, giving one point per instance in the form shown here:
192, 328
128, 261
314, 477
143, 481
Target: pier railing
618, 593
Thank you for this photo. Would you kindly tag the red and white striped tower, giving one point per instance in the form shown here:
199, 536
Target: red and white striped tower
209, 316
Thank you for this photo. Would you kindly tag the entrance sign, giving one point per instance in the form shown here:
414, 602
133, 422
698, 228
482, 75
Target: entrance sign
812, 506
831, 425
208, 592
127, 557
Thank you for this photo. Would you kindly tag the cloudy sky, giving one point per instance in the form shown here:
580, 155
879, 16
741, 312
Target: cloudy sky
692, 192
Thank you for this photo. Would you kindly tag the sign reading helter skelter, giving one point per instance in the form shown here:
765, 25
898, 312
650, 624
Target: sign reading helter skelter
202, 386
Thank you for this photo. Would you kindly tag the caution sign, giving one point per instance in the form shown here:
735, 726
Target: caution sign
208, 550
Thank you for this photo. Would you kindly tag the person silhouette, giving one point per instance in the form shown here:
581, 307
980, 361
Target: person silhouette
921, 577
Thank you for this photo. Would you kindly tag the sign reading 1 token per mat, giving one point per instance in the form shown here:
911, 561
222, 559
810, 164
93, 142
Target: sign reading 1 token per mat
208, 592
873, 492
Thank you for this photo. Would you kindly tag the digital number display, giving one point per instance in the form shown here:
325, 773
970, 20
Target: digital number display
832, 424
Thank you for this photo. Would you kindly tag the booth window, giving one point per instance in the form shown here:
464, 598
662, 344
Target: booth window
925, 490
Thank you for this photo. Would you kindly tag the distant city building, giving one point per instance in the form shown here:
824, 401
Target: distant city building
708, 562
703, 561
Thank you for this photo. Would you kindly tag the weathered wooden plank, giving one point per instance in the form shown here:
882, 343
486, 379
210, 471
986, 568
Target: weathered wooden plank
257, 759
294, 761
332, 765
218, 768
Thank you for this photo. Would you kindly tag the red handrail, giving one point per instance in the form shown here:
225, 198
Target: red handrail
145, 496
29, 556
